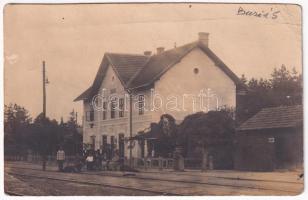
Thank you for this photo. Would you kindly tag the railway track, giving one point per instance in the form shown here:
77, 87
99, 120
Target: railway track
88, 183
160, 180
194, 175
13, 193
191, 175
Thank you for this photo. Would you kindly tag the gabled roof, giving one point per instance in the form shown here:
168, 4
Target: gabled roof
160, 63
84, 95
126, 65
140, 71
275, 117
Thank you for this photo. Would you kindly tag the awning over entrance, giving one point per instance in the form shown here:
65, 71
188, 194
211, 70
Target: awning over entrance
152, 134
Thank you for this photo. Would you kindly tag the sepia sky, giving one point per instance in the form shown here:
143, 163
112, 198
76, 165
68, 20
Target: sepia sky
73, 38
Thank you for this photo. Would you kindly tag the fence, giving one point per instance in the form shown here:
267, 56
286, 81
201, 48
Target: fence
153, 163
164, 163
141, 163
36, 158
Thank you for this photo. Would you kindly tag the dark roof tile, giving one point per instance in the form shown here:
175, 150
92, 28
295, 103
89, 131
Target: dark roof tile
127, 65
275, 117
84, 95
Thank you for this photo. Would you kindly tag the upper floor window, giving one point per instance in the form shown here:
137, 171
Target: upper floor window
113, 108
121, 107
104, 110
90, 116
141, 104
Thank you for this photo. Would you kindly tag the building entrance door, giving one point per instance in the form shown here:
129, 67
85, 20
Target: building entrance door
121, 145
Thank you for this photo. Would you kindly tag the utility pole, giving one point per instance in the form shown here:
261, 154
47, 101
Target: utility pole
130, 128
45, 81
44, 90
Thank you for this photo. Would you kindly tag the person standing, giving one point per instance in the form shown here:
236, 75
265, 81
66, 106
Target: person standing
90, 161
60, 158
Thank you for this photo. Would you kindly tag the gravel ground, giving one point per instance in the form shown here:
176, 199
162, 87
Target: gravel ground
14, 186
38, 187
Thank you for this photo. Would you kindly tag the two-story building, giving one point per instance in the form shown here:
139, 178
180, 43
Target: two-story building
130, 91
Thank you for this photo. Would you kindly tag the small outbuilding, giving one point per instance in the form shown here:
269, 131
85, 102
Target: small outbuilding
271, 139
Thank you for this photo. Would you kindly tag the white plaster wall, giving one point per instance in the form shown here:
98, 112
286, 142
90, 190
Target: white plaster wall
112, 127
181, 79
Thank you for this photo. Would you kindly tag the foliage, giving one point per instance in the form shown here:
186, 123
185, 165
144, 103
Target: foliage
211, 133
166, 131
43, 136
283, 88
207, 129
16, 122
72, 140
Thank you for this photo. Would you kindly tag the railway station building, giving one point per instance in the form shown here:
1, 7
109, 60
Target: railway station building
131, 91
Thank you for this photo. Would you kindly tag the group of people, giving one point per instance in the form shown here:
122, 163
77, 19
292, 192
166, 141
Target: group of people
91, 160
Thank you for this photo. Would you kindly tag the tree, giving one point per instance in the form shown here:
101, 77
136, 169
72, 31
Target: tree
45, 134
202, 134
72, 139
286, 87
166, 130
283, 88
16, 123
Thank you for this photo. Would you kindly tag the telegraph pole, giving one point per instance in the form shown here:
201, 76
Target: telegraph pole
45, 81
44, 90
130, 128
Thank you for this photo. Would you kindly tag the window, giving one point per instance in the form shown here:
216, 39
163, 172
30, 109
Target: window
112, 145
196, 70
104, 110
141, 104
97, 102
104, 142
113, 108
90, 116
93, 141
121, 107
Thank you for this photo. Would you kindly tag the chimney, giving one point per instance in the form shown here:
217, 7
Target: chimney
160, 50
204, 38
147, 53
